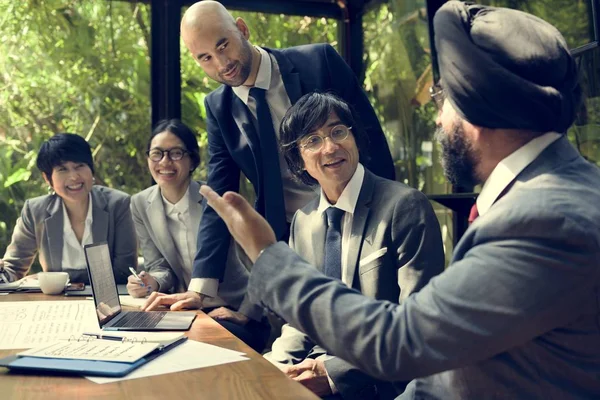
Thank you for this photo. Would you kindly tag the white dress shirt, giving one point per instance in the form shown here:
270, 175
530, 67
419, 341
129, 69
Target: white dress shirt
184, 237
346, 202
73, 256
178, 224
507, 170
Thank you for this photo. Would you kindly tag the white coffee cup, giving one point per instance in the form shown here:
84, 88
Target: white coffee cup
52, 282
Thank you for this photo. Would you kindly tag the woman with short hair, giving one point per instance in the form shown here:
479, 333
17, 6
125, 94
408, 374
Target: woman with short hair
76, 212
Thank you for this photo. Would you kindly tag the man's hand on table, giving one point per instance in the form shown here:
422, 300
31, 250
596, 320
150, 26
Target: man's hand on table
247, 226
225, 314
310, 373
176, 302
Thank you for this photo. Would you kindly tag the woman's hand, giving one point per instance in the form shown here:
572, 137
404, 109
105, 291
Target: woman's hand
141, 287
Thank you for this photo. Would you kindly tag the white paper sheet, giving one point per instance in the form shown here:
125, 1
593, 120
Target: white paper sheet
189, 355
26, 324
94, 349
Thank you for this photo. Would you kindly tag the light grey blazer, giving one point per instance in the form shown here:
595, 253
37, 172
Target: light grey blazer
395, 248
516, 315
40, 228
161, 258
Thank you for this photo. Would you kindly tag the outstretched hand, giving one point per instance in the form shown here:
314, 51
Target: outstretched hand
247, 227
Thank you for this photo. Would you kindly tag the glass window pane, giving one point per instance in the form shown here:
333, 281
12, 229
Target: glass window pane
72, 66
398, 77
585, 134
573, 18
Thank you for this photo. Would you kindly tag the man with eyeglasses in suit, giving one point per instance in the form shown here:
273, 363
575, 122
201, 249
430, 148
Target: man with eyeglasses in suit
377, 236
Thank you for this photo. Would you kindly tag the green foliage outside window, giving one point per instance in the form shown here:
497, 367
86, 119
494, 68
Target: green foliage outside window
72, 66
84, 67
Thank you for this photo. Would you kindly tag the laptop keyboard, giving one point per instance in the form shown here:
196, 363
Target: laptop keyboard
140, 319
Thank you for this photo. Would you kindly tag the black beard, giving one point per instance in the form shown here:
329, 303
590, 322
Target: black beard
458, 157
245, 65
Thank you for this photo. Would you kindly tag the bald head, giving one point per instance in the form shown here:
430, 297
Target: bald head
219, 43
206, 12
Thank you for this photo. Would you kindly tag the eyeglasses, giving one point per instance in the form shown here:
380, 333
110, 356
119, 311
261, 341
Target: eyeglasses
174, 154
337, 134
437, 95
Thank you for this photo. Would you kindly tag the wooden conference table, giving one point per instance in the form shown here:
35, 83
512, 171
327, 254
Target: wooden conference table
245, 380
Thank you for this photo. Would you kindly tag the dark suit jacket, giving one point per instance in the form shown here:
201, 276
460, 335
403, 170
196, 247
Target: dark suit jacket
516, 315
40, 228
395, 248
233, 142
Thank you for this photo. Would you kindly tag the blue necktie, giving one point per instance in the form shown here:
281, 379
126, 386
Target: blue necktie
333, 243
274, 210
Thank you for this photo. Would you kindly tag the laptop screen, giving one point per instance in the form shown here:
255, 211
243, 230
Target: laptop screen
102, 278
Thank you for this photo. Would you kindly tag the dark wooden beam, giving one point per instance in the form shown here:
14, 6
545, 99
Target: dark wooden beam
164, 59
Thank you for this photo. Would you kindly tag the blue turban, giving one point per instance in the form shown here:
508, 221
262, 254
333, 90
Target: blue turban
503, 68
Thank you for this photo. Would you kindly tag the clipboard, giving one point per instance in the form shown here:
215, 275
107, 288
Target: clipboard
81, 367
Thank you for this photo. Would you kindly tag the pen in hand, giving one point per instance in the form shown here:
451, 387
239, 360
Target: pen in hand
136, 275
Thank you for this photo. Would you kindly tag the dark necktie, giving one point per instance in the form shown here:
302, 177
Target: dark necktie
473, 214
272, 189
333, 243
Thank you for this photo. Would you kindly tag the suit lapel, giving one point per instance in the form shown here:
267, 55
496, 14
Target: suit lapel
195, 203
100, 216
359, 223
157, 219
319, 229
54, 225
291, 79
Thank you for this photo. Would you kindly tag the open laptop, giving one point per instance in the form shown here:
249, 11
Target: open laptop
110, 315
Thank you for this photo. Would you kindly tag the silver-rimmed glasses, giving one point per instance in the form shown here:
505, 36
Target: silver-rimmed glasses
437, 95
174, 154
314, 143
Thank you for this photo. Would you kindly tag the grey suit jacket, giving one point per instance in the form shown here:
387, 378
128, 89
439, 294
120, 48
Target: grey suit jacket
395, 248
515, 316
161, 258
40, 228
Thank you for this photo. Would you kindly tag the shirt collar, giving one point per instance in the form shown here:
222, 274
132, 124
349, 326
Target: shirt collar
88, 218
180, 207
349, 196
263, 78
508, 169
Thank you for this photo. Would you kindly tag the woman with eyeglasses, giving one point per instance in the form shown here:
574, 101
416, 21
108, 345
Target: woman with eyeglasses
167, 216
75, 213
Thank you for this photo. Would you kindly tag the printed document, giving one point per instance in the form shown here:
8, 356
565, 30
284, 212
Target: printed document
26, 324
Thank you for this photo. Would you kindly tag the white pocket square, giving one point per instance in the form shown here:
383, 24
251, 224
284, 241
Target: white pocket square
372, 256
